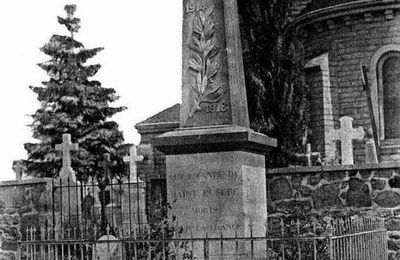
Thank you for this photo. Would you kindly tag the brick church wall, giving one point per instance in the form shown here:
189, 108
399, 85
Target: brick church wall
350, 41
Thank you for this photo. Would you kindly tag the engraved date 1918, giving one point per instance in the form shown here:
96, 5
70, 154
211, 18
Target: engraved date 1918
215, 108
195, 7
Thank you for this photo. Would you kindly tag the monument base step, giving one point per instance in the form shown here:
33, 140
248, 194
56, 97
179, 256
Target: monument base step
213, 139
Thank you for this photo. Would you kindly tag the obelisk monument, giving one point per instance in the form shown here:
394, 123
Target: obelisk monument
215, 163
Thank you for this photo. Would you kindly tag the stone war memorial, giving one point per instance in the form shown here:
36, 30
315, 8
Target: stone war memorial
285, 145
215, 165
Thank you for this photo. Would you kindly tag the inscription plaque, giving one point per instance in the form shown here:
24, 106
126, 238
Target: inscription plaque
214, 194
210, 193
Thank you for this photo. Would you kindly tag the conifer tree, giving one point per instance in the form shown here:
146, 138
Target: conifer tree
73, 103
276, 91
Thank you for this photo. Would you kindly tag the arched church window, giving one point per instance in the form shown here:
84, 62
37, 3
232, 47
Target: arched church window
389, 95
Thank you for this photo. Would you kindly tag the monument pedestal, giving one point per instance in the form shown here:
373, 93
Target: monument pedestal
216, 184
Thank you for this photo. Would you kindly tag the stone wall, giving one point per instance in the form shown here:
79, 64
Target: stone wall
339, 190
22, 204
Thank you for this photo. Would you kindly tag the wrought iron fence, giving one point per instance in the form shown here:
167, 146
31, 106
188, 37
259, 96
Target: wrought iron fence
120, 204
359, 238
344, 238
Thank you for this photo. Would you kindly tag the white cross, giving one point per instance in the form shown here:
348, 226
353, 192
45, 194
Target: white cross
18, 169
346, 134
65, 149
133, 158
308, 155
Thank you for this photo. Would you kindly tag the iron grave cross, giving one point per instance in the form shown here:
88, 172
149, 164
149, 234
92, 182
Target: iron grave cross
65, 147
106, 164
346, 134
133, 158
308, 155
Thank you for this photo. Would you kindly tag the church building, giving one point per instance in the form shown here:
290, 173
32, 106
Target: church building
339, 37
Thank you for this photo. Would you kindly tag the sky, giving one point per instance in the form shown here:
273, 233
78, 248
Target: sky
141, 61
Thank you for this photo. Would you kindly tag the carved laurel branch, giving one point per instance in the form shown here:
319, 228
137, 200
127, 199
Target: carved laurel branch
203, 61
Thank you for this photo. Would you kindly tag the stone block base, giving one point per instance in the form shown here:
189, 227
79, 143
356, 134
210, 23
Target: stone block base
218, 194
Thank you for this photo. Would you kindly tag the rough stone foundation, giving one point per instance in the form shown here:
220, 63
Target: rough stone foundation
22, 204
371, 190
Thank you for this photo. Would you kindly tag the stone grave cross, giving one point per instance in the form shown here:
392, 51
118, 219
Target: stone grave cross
65, 147
133, 159
18, 168
346, 134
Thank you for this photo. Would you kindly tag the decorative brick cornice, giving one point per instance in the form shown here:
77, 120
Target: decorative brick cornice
346, 11
368, 17
389, 14
331, 24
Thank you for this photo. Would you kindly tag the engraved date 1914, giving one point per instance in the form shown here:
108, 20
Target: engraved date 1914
195, 7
